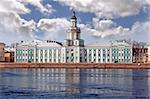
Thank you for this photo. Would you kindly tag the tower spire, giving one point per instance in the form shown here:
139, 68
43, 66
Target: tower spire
74, 15
73, 33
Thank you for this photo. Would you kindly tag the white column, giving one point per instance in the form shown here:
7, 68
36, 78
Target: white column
110, 55
87, 55
92, 55
56, 55
34, 54
64, 55
48, 55
39, 56
132, 52
96, 55
61, 56
106, 57
101, 55
43, 56
52, 55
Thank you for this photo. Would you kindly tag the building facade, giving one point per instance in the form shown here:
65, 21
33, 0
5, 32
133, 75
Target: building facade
9, 56
2, 46
39, 52
121, 52
149, 54
140, 53
73, 50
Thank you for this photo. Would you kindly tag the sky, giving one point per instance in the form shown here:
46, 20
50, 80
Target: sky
100, 21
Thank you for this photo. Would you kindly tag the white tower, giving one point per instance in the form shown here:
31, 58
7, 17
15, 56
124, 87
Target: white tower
73, 34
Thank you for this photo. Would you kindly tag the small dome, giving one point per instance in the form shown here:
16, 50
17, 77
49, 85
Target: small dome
74, 17
50, 44
39, 43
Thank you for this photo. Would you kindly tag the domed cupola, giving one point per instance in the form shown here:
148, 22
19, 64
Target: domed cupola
73, 33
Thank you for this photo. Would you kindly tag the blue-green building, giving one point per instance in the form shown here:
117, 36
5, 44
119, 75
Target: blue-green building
73, 50
121, 52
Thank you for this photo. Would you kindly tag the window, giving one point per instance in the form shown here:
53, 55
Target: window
103, 60
89, 59
71, 54
99, 59
103, 50
108, 60
103, 55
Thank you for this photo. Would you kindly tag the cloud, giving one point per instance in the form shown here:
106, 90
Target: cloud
107, 8
12, 6
141, 31
56, 29
53, 28
46, 9
15, 28
12, 26
107, 28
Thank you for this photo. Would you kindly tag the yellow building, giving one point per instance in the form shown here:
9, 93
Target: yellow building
2, 45
9, 56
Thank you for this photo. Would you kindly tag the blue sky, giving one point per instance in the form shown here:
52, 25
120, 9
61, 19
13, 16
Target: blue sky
100, 21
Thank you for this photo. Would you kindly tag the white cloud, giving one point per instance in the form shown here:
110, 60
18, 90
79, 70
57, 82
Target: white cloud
12, 26
12, 6
141, 31
107, 8
56, 29
107, 28
15, 28
38, 3
53, 28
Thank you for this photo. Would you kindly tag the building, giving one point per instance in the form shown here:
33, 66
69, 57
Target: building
121, 52
98, 54
140, 52
149, 54
38, 52
9, 54
2, 46
73, 50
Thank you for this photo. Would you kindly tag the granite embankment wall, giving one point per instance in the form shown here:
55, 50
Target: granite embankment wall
75, 65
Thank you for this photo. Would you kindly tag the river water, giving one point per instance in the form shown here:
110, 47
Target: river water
74, 84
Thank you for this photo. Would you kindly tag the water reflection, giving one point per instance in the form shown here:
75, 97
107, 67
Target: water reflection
140, 85
76, 82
